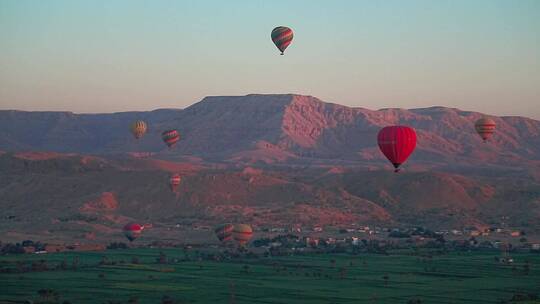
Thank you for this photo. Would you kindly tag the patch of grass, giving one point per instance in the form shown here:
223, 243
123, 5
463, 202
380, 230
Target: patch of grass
396, 278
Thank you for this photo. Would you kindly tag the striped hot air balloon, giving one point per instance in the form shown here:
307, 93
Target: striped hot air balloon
138, 128
242, 233
397, 143
485, 127
132, 231
282, 36
174, 181
170, 137
224, 232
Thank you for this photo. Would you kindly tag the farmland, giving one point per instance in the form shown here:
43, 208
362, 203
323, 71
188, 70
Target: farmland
138, 276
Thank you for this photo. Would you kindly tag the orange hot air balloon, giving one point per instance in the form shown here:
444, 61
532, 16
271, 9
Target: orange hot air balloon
224, 232
174, 181
242, 233
485, 127
132, 231
138, 129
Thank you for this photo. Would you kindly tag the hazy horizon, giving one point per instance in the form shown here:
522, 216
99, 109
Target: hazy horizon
327, 101
100, 57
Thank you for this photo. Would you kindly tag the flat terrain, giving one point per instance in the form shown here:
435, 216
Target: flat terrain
368, 278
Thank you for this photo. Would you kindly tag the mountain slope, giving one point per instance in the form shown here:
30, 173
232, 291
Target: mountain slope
58, 196
278, 128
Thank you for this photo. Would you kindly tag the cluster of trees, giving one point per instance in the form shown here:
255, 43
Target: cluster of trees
285, 240
289, 241
41, 265
417, 231
117, 245
18, 248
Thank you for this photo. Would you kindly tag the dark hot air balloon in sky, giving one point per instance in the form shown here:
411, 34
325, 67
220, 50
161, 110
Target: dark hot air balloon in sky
224, 232
485, 127
242, 233
397, 143
170, 137
282, 36
174, 181
138, 129
132, 231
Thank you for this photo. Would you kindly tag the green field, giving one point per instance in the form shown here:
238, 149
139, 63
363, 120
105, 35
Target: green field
450, 278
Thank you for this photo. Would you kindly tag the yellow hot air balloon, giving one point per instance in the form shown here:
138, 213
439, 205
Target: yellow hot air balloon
138, 128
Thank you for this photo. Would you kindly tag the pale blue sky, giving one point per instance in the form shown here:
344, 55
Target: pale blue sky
103, 56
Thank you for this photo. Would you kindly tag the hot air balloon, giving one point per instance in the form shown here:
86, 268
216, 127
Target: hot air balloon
132, 231
242, 233
174, 181
138, 128
485, 127
282, 36
397, 143
170, 137
224, 232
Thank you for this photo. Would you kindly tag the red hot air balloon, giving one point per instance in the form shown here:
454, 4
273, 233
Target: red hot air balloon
224, 232
174, 181
132, 231
170, 137
485, 127
397, 143
242, 233
282, 36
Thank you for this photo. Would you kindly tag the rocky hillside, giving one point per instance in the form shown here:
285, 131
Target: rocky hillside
278, 128
55, 196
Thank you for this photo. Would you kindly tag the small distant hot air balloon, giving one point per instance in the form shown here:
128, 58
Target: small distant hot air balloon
170, 137
132, 231
397, 143
138, 128
282, 36
242, 233
224, 232
485, 127
174, 181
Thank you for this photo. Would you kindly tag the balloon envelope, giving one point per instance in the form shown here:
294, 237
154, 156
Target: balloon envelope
397, 143
132, 231
224, 232
174, 181
282, 37
138, 129
242, 233
170, 137
485, 127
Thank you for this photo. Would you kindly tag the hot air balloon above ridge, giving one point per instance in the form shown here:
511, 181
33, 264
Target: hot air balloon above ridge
170, 137
397, 143
174, 181
485, 127
138, 128
282, 37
